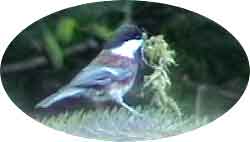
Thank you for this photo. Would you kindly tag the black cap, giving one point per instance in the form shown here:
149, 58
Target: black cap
124, 33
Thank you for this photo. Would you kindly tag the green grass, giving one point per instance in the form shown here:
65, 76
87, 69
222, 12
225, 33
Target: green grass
120, 125
158, 122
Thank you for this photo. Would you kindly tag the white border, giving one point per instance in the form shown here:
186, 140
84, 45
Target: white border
17, 15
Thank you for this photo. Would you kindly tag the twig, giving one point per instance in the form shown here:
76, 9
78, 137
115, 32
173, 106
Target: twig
42, 60
24, 65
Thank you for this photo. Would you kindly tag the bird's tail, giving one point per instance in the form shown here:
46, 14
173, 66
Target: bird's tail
58, 96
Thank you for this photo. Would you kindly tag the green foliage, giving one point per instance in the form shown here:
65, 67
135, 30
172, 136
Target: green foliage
160, 57
120, 125
53, 50
66, 29
102, 31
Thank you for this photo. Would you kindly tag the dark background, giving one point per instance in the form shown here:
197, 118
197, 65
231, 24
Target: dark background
207, 55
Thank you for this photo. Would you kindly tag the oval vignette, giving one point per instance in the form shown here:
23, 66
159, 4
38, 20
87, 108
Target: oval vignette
210, 74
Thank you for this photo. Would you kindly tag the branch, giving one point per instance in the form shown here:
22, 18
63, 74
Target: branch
43, 61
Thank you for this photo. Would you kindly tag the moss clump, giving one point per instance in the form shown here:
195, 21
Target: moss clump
159, 56
158, 53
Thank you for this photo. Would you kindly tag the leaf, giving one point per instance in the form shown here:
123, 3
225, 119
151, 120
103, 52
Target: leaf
102, 31
66, 29
53, 50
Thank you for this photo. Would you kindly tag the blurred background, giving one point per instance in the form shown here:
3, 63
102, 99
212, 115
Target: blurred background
211, 75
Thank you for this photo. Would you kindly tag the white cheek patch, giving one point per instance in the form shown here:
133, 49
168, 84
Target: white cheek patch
128, 48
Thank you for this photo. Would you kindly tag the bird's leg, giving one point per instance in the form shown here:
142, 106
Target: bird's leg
143, 117
130, 108
120, 101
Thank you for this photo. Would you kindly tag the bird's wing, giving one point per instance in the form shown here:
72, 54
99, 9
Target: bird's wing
99, 76
89, 77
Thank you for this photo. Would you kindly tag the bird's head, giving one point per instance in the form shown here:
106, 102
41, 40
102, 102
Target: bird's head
127, 42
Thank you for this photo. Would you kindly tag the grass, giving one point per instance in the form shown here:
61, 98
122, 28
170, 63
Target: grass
120, 125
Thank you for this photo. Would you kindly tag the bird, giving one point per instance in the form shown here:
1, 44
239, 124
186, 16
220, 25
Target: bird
109, 76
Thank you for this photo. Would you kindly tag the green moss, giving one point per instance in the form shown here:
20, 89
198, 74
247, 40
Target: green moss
159, 56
